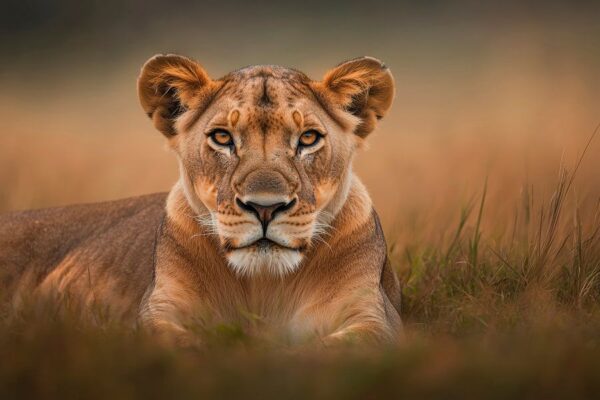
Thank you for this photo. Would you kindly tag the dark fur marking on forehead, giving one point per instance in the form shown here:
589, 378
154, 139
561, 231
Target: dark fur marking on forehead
264, 124
264, 100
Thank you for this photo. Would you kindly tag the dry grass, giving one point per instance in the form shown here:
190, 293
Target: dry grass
497, 244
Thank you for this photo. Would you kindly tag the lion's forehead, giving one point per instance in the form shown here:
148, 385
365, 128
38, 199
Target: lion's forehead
266, 87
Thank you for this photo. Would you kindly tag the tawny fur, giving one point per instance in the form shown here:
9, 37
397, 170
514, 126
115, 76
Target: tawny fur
189, 259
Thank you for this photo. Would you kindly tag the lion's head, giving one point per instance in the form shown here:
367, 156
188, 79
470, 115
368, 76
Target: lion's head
266, 150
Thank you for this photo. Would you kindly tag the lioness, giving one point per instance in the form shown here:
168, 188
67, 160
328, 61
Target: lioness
267, 218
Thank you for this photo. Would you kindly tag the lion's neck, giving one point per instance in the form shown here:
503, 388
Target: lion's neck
354, 211
186, 185
335, 205
184, 213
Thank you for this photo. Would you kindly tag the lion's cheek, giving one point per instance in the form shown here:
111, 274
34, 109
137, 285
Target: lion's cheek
324, 192
207, 193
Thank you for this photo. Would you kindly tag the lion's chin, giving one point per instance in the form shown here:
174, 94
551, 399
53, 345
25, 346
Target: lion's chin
274, 260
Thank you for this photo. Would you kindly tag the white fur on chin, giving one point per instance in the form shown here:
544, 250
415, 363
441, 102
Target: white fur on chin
275, 261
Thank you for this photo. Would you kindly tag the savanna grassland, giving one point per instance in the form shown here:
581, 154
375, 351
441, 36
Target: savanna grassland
484, 175
496, 240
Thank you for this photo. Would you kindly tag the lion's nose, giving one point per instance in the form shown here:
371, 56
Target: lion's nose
265, 212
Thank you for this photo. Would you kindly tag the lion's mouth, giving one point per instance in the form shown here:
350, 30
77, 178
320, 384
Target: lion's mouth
265, 244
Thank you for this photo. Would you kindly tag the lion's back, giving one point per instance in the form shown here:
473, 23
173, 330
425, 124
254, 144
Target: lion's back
111, 242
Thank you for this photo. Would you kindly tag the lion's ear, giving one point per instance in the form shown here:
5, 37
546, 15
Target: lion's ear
363, 87
169, 85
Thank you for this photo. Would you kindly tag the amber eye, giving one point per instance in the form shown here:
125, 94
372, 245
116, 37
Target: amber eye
221, 137
309, 138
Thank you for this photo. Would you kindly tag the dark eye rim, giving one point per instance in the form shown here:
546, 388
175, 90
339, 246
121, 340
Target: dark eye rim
220, 130
319, 137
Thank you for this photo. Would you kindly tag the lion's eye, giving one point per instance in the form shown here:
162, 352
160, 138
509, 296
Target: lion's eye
221, 137
309, 138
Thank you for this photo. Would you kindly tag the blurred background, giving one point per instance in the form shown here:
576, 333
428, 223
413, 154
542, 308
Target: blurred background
506, 91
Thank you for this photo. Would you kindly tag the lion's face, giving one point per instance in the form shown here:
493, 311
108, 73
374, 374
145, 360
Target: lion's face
266, 161
265, 150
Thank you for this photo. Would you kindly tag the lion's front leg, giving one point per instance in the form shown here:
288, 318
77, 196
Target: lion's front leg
166, 313
368, 318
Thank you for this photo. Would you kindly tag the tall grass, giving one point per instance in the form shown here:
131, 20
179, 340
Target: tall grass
548, 260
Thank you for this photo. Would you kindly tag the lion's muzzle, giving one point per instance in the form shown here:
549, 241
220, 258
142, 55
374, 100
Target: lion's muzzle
265, 211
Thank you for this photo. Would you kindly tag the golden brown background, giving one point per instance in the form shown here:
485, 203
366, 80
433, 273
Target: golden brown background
505, 91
